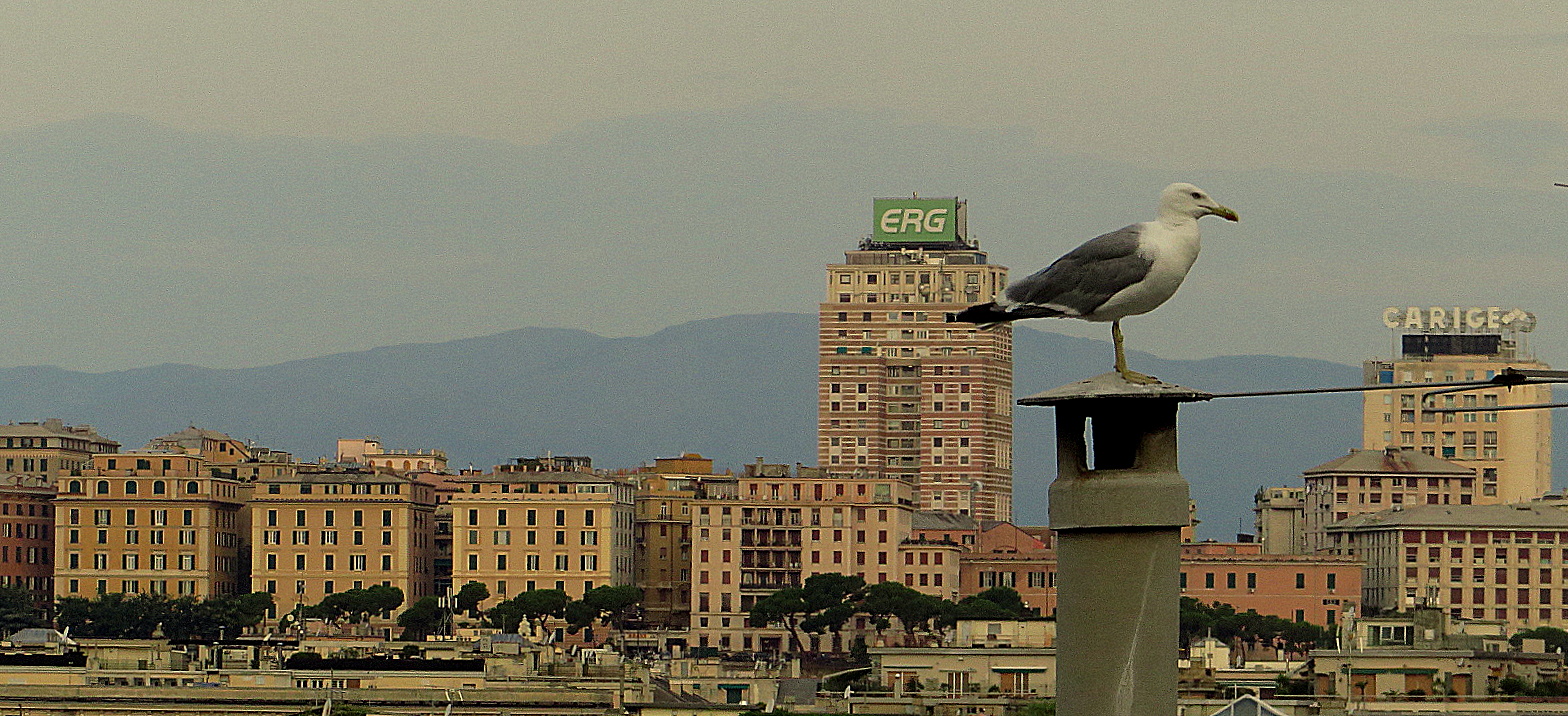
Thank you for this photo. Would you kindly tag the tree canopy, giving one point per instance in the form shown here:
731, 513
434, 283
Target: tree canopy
357, 605
1225, 623
422, 619
1556, 639
826, 602
470, 596
140, 616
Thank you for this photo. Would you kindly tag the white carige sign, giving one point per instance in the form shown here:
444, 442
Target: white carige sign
1458, 319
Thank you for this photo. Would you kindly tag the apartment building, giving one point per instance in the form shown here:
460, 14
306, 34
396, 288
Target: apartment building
901, 392
27, 533
1510, 450
213, 447
50, 447
370, 452
1310, 588
787, 523
148, 521
663, 556
322, 529
1278, 514
1367, 481
1502, 562
1306, 588
520, 529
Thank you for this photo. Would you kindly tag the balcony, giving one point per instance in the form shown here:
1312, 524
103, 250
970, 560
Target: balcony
792, 540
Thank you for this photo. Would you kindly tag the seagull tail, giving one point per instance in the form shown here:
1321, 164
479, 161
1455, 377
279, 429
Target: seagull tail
985, 315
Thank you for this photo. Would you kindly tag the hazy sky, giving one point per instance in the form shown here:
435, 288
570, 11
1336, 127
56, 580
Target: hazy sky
1429, 89
1445, 97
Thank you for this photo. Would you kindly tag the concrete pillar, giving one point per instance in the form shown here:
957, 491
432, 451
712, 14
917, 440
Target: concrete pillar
1118, 505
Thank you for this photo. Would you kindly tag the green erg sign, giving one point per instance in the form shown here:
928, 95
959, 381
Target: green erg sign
923, 220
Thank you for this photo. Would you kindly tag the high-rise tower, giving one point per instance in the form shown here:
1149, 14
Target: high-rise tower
903, 393
1510, 450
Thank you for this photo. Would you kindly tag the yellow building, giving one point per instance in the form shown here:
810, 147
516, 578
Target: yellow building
1510, 450
517, 529
902, 392
148, 521
369, 451
212, 446
320, 530
49, 448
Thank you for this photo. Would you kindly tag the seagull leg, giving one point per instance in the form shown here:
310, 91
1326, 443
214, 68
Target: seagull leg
1121, 359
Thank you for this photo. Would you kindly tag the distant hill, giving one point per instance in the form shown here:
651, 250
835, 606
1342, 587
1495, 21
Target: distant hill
733, 388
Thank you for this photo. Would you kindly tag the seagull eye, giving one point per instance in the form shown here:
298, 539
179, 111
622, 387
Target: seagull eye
1197, 195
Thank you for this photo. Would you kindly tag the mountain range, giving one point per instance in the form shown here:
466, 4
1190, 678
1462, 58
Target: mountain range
734, 388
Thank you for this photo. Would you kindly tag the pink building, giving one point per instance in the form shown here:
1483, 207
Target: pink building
1306, 588
27, 533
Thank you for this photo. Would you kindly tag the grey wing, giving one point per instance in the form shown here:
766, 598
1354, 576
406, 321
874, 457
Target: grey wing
1087, 276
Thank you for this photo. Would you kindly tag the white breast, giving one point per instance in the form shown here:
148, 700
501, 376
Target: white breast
1173, 250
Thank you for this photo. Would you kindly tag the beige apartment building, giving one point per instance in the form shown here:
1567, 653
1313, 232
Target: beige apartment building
148, 521
1278, 514
901, 392
786, 525
1510, 450
1502, 562
212, 446
664, 499
322, 529
49, 448
1367, 481
520, 529
369, 451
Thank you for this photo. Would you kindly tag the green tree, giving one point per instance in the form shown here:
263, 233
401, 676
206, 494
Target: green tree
1008, 599
914, 610
470, 596
1556, 639
421, 619
1513, 686
786, 606
140, 616
1225, 623
580, 615
1039, 707
382, 599
19, 609
616, 606
535, 607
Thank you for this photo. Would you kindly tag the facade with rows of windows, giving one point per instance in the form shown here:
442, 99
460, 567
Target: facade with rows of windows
148, 521
318, 530
1509, 450
1503, 562
516, 531
905, 394
1367, 481
49, 448
27, 533
788, 523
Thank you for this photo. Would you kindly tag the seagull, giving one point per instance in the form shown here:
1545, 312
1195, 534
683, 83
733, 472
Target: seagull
1124, 273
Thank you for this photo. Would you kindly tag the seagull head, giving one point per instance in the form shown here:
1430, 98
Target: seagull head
1183, 199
